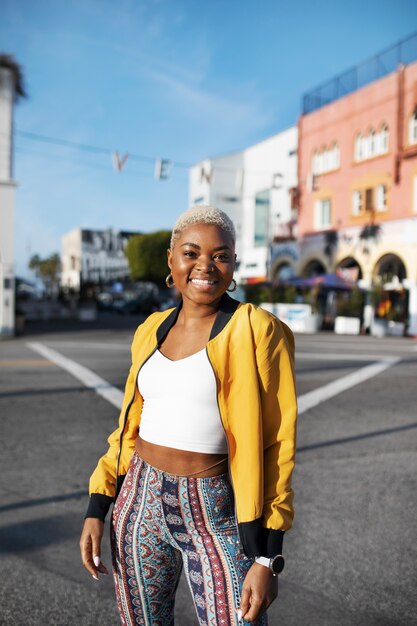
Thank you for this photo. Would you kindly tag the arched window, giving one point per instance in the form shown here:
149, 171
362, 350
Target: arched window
412, 128
335, 156
315, 167
371, 143
359, 147
320, 161
383, 139
326, 160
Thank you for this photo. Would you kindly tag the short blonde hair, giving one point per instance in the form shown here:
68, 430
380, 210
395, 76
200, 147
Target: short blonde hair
203, 214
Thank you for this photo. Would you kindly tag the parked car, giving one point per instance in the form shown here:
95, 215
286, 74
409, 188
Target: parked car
145, 303
104, 301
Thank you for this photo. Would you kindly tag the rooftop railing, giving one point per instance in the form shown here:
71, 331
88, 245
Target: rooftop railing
387, 61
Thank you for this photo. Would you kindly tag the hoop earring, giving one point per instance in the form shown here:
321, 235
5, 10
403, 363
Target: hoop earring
234, 286
169, 281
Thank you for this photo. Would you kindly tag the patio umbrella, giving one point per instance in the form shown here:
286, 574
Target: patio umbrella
330, 281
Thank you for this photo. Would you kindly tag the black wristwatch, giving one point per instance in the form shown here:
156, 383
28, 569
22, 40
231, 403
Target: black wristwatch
276, 564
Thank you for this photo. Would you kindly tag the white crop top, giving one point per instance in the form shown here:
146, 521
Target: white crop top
180, 404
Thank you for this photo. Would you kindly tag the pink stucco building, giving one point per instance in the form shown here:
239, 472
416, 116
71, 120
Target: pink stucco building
357, 177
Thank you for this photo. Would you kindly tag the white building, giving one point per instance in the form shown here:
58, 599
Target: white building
7, 202
93, 256
255, 187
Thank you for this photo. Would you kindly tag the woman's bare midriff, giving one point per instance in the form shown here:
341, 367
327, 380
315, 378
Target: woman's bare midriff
181, 462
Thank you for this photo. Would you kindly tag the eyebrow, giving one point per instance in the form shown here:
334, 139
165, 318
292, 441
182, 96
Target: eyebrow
195, 245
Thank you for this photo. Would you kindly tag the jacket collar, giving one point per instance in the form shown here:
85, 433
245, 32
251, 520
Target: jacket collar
225, 311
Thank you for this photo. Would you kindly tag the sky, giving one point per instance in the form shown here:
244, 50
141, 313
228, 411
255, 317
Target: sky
175, 79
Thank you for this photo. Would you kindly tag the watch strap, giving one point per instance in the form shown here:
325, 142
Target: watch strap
263, 560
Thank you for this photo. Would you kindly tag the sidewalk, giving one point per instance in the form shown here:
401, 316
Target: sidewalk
105, 321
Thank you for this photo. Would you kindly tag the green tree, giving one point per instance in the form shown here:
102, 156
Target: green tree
147, 256
48, 270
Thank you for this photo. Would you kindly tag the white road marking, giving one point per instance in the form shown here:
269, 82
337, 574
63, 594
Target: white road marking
339, 357
83, 374
107, 345
305, 402
317, 396
364, 344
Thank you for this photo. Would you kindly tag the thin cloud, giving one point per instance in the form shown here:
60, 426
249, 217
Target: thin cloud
204, 106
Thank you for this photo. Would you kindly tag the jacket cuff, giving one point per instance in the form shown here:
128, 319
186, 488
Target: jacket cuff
98, 506
259, 541
274, 542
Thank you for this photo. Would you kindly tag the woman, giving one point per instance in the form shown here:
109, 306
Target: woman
204, 451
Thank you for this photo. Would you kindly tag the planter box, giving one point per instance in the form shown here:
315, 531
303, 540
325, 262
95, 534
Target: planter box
396, 329
379, 327
20, 322
87, 314
347, 325
299, 317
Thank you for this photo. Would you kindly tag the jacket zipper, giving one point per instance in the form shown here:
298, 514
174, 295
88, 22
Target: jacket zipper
241, 551
127, 413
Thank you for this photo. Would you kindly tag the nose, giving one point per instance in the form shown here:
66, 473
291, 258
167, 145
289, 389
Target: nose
205, 265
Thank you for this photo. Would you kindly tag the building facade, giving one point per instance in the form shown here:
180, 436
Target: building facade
7, 203
255, 187
94, 257
357, 172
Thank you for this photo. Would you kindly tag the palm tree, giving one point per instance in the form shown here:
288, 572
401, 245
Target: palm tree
8, 62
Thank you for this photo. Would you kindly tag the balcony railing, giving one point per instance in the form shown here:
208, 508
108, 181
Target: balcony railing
284, 232
387, 61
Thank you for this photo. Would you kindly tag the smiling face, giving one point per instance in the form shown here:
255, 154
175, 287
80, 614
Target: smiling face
202, 263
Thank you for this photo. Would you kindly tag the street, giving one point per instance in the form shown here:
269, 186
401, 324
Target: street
351, 556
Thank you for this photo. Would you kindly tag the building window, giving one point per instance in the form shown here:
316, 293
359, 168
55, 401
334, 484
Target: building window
323, 213
318, 164
262, 209
415, 194
381, 198
383, 139
372, 144
412, 128
369, 199
358, 147
326, 160
357, 203
315, 163
335, 156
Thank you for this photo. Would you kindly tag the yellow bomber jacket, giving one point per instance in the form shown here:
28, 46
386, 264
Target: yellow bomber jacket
252, 356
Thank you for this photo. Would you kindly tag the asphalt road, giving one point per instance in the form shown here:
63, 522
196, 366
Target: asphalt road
352, 552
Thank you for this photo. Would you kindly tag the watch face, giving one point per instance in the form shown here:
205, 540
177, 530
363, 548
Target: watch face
277, 564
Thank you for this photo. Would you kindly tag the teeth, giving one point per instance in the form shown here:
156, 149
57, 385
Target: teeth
200, 281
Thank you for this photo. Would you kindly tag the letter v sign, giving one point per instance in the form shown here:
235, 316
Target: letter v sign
119, 161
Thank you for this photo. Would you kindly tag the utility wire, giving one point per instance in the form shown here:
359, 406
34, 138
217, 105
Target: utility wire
88, 148
82, 164
135, 157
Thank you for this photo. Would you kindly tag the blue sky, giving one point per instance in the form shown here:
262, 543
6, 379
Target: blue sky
163, 78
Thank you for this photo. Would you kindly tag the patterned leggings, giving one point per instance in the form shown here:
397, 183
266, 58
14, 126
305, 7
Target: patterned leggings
160, 523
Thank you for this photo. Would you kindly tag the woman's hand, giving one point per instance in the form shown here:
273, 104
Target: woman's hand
260, 588
90, 546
